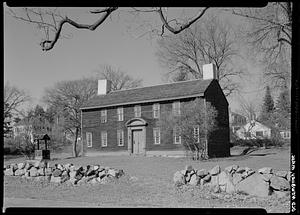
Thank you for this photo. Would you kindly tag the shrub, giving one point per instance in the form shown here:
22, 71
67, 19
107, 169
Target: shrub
259, 142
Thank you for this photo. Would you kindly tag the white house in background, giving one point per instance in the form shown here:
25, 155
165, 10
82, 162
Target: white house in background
254, 130
285, 134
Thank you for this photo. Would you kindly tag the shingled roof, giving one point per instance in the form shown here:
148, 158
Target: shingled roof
149, 94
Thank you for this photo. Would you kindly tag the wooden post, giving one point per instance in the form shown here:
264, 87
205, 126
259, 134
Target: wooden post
38, 144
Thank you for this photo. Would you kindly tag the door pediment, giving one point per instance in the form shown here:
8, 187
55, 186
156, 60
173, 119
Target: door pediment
136, 122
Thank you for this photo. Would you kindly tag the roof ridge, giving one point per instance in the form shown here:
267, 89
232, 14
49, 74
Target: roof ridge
178, 82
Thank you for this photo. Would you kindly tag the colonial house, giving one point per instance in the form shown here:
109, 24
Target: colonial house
253, 130
126, 121
236, 121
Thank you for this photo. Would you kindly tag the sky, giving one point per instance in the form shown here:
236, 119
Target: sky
117, 42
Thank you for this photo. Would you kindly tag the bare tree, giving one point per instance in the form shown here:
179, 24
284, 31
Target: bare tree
13, 99
68, 97
51, 21
248, 108
207, 42
270, 38
119, 80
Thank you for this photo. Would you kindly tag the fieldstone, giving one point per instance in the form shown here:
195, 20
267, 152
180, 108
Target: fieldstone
188, 168
214, 180
183, 172
225, 182
78, 176
14, 166
195, 180
229, 169
57, 173
265, 170
96, 167
67, 166
216, 188
188, 176
48, 171
21, 165
19, 172
254, 185
105, 180
64, 178
223, 178
178, 179
288, 176
36, 164
101, 174
43, 164
281, 174
28, 166
26, 175
230, 188
33, 172
202, 173
55, 179
266, 177
41, 172
216, 170
90, 172
279, 183
120, 173
73, 181
280, 194
83, 180
236, 178
112, 172
9, 172
72, 174
207, 178
240, 170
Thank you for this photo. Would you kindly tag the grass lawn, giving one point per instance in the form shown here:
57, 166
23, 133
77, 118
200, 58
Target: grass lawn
153, 183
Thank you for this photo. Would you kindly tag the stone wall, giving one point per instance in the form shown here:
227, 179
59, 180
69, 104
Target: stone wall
67, 173
235, 179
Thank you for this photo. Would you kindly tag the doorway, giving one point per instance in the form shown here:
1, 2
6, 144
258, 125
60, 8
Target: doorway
138, 145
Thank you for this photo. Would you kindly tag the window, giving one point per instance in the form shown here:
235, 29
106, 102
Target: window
259, 133
89, 138
176, 108
196, 133
103, 117
120, 114
137, 111
156, 111
103, 138
177, 137
120, 137
156, 135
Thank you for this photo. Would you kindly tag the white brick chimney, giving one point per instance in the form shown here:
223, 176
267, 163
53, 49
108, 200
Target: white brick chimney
104, 86
210, 71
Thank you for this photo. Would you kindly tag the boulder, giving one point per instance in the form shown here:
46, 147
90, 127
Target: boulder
279, 183
67, 166
240, 170
91, 172
281, 174
189, 175
9, 172
266, 177
207, 178
101, 174
254, 185
288, 176
202, 173
214, 180
216, 170
28, 166
225, 182
55, 179
280, 194
41, 171
20, 172
72, 174
188, 168
78, 176
57, 172
236, 178
33, 172
112, 172
14, 166
265, 170
43, 164
179, 179
48, 171
183, 172
36, 164
96, 167
21, 165
195, 180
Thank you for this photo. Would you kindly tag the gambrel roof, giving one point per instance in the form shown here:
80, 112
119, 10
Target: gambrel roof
170, 91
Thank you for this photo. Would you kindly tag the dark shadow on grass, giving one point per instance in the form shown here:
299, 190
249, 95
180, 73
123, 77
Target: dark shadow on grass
264, 154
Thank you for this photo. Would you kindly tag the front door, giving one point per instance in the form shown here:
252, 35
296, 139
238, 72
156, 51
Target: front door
138, 142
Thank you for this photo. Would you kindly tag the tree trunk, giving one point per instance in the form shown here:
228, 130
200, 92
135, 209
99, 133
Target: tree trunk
75, 143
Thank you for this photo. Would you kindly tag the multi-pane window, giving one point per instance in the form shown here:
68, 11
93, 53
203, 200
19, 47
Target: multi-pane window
196, 133
89, 139
120, 114
177, 137
156, 135
259, 134
103, 138
103, 116
120, 137
137, 111
176, 108
156, 110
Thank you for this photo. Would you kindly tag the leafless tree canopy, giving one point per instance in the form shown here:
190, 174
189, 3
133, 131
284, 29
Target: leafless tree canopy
119, 80
51, 21
207, 42
270, 37
247, 108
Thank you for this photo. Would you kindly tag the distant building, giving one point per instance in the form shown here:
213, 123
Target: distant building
254, 130
236, 121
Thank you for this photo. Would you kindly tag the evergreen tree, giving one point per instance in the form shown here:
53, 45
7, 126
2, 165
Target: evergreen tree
283, 104
268, 106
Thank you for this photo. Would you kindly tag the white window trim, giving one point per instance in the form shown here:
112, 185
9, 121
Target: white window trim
176, 111
156, 109
120, 113
198, 135
91, 138
122, 136
137, 111
174, 136
154, 135
102, 134
103, 115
